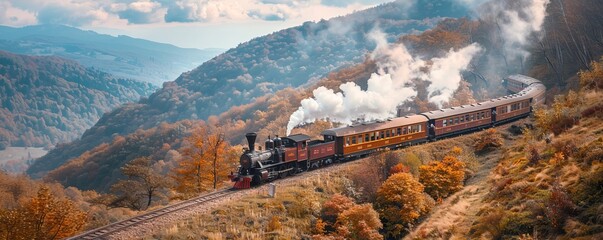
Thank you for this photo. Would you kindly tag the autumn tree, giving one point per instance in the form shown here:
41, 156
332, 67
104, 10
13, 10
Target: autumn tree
442, 178
205, 163
368, 178
42, 217
359, 222
143, 184
332, 208
488, 139
400, 202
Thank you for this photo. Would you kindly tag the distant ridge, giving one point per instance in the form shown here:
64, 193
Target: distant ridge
46, 100
122, 56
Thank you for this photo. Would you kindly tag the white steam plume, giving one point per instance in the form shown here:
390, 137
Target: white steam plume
387, 88
518, 25
445, 74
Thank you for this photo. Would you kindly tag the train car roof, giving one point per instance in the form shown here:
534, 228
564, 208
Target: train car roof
374, 125
524, 94
524, 79
298, 137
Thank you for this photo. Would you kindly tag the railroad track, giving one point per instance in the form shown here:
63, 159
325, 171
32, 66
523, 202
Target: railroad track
105, 231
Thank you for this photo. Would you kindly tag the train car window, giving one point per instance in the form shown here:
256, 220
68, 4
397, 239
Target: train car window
347, 141
354, 140
451, 121
456, 120
373, 136
462, 119
359, 138
393, 132
444, 123
404, 130
303, 145
467, 118
366, 137
399, 131
381, 134
419, 127
387, 132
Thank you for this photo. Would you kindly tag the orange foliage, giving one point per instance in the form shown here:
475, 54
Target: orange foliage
400, 202
42, 217
399, 168
333, 207
442, 178
488, 139
206, 162
359, 222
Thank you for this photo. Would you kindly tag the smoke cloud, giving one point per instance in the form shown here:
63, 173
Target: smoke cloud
390, 86
517, 23
445, 74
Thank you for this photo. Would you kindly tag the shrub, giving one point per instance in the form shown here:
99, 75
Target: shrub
564, 113
442, 178
533, 155
488, 139
359, 222
333, 207
400, 202
593, 78
413, 162
558, 207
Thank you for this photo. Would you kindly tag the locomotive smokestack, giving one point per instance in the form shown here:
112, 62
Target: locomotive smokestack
251, 140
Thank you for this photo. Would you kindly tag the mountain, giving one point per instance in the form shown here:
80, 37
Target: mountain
292, 57
122, 56
49, 100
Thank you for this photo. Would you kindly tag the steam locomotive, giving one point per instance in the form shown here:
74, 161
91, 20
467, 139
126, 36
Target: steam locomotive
298, 153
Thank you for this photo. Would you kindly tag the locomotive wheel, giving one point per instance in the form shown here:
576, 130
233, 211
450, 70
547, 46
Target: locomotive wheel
256, 180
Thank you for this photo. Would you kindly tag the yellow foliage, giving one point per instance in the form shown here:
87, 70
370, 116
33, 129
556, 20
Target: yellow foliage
400, 202
593, 78
43, 217
206, 163
442, 178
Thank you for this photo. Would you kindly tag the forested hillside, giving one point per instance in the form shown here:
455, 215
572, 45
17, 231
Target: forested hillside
50, 100
288, 58
268, 115
122, 56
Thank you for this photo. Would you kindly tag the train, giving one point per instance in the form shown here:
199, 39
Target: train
298, 153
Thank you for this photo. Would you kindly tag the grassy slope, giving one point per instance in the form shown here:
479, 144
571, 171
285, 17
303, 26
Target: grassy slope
298, 201
510, 182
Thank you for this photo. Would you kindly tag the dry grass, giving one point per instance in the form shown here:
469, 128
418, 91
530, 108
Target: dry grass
296, 207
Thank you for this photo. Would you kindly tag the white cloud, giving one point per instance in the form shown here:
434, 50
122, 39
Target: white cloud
103, 12
12, 16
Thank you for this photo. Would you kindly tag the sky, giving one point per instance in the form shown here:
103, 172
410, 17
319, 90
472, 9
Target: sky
184, 23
